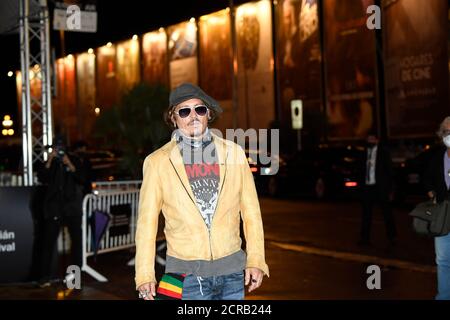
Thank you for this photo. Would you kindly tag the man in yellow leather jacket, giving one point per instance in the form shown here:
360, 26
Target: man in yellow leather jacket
203, 186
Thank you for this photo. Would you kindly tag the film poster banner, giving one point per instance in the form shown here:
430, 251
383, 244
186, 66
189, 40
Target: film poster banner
128, 71
65, 114
415, 48
350, 69
19, 92
35, 85
183, 53
58, 99
154, 51
35, 92
299, 55
216, 61
255, 65
86, 93
106, 75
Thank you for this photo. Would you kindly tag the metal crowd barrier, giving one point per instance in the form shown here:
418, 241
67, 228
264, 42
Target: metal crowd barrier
116, 185
102, 200
63, 242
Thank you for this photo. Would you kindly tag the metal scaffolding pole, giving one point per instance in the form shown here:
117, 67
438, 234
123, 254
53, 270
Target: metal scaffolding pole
37, 126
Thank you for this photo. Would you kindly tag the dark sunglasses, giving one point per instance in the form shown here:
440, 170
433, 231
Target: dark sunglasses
201, 110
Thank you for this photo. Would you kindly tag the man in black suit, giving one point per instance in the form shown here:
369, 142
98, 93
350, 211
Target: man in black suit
376, 188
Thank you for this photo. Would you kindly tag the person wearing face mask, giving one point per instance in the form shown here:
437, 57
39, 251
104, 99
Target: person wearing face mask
376, 188
436, 180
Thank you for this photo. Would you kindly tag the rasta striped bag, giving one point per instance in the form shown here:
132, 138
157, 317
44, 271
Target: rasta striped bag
170, 287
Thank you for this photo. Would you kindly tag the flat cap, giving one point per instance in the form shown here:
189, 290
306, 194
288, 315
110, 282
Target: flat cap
187, 91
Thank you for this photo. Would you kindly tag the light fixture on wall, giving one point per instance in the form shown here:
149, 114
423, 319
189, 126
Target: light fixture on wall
7, 124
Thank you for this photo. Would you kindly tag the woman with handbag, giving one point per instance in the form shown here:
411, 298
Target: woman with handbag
437, 182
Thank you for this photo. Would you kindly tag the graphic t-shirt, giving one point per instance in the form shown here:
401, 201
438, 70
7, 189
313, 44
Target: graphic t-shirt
202, 169
204, 180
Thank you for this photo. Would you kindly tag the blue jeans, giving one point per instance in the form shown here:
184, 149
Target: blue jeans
227, 287
442, 247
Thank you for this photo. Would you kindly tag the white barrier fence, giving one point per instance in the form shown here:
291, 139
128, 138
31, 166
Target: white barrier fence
103, 200
64, 242
116, 185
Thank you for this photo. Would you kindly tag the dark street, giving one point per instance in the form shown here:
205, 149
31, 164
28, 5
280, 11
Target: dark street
294, 126
311, 252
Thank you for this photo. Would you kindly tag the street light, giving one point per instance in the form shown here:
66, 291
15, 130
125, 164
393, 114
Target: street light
10, 74
7, 124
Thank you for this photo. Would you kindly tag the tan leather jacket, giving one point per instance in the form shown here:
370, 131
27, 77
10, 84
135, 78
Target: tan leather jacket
165, 187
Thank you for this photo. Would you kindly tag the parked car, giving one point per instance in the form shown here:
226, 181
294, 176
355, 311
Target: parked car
105, 166
266, 170
323, 172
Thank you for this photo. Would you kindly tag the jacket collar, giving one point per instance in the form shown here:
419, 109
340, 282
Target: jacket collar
177, 162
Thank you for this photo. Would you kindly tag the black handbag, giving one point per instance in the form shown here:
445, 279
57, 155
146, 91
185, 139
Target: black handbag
431, 218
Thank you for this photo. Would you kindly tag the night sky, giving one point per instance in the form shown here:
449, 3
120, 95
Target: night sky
116, 20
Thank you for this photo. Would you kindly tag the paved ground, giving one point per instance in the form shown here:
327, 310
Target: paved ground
312, 254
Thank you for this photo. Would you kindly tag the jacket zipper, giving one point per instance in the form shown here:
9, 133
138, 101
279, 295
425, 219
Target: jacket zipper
215, 209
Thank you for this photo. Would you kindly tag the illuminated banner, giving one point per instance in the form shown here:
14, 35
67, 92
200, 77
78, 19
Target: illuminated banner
216, 62
154, 57
128, 69
417, 87
183, 53
255, 65
57, 101
350, 69
86, 92
64, 107
35, 92
106, 76
299, 53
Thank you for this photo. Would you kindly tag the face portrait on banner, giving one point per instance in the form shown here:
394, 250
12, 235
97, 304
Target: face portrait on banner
128, 69
183, 53
255, 65
350, 69
299, 52
154, 57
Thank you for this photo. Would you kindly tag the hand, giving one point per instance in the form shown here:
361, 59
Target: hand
51, 156
255, 276
68, 163
148, 290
